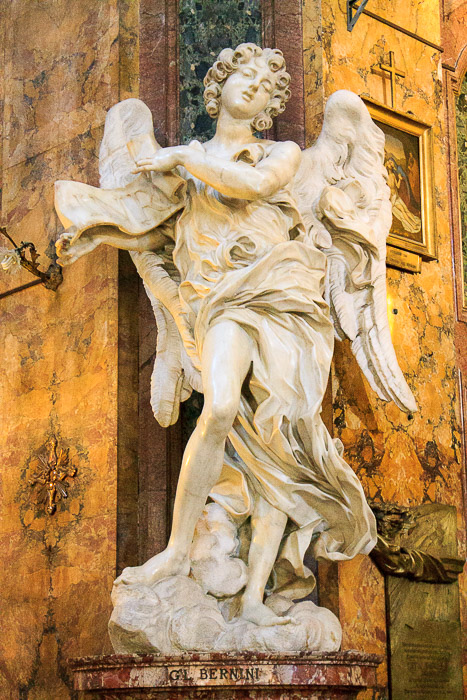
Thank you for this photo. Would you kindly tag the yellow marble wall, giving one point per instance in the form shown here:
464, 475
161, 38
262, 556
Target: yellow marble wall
398, 459
64, 65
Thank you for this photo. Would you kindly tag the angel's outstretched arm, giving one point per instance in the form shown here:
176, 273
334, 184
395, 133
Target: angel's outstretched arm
232, 179
68, 252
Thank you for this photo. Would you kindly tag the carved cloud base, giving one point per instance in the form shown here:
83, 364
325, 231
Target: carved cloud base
200, 612
327, 676
174, 616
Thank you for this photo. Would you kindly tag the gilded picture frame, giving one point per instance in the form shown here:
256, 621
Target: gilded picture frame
409, 161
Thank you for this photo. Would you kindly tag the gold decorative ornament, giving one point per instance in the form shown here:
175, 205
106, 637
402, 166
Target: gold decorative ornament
50, 472
402, 259
391, 558
12, 260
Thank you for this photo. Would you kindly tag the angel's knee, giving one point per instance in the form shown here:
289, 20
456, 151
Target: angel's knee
218, 417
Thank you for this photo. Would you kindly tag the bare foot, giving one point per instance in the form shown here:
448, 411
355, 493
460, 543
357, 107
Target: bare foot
167, 563
260, 614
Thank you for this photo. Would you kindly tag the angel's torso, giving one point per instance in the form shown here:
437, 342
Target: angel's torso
216, 235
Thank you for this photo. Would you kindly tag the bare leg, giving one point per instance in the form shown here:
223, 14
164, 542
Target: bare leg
267, 528
226, 359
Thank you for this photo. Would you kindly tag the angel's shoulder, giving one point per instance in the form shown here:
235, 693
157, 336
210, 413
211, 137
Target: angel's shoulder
283, 146
285, 150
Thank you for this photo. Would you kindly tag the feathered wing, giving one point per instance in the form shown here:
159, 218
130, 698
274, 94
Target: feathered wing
135, 203
174, 375
342, 192
129, 131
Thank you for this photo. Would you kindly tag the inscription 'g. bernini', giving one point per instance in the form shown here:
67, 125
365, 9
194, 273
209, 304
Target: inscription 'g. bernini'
213, 673
254, 255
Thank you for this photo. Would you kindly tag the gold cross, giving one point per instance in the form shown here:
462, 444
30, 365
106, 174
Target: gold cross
393, 71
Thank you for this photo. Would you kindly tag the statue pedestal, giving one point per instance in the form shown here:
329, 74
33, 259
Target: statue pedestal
316, 676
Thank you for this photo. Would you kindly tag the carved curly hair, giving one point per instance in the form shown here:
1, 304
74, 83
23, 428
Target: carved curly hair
228, 62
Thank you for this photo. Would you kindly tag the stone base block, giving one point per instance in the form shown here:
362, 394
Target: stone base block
315, 676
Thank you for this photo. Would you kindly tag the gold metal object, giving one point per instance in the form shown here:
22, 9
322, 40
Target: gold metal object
422, 605
391, 558
399, 121
50, 472
51, 279
393, 71
403, 260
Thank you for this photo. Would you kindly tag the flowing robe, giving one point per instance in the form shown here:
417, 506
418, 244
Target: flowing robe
245, 261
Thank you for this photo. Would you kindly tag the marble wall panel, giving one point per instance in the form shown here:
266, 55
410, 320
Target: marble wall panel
454, 31
398, 458
455, 63
57, 384
313, 69
58, 351
158, 61
128, 48
283, 29
421, 18
461, 127
27, 198
2, 82
362, 616
48, 46
205, 29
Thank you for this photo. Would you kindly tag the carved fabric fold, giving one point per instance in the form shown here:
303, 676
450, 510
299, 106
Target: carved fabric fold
237, 261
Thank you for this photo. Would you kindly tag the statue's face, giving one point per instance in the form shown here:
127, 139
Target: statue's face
247, 91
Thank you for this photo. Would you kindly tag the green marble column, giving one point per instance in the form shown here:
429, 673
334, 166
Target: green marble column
206, 28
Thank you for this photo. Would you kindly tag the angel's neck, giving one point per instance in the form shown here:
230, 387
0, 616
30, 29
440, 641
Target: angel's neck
231, 131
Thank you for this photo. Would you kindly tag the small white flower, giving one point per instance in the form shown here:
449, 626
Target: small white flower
10, 261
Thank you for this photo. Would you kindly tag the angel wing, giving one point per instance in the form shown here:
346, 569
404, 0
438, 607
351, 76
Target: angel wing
135, 203
342, 193
128, 131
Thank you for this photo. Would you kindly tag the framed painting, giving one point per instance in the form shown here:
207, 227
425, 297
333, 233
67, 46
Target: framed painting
409, 162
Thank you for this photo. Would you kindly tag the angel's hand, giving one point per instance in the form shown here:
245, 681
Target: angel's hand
68, 253
164, 160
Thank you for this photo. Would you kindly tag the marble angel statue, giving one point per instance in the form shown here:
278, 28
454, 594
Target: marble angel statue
255, 255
